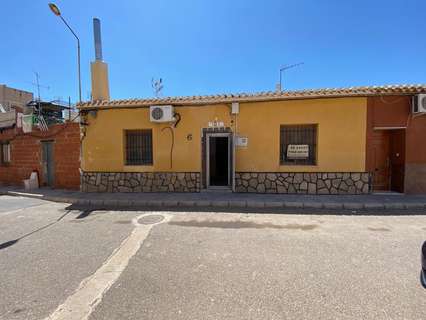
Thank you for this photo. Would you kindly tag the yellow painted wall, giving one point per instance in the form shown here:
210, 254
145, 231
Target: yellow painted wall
341, 135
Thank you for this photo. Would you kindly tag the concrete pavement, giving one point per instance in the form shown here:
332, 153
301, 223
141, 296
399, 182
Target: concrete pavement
231, 266
208, 265
45, 252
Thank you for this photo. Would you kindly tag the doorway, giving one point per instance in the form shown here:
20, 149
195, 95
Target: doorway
47, 163
218, 160
388, 156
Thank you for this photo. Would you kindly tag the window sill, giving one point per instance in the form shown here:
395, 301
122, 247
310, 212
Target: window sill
138, 168
297, 165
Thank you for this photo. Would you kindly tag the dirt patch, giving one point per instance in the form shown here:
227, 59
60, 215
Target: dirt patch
241, 225
378, 229
123, 222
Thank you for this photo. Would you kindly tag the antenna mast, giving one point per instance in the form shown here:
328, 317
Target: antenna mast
38, 85
284, 68
157, 86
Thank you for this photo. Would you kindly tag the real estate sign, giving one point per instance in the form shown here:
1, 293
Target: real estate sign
298, 151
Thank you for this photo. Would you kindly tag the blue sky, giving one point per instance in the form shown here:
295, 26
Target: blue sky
216, 46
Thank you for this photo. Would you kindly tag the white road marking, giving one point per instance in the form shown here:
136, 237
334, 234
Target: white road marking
91, 290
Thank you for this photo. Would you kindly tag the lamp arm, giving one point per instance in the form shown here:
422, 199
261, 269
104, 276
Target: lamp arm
72, 31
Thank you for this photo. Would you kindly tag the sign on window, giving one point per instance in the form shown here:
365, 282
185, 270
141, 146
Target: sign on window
298, 151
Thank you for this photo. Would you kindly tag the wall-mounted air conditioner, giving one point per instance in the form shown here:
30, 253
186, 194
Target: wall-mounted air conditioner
161, 114
419, 103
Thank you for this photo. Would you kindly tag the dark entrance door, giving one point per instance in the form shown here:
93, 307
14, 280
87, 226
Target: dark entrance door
48, 163
397, 160
381, 161
219, 160
388, 156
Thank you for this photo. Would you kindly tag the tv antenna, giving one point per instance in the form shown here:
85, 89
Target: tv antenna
157, 86
38, 85
284, 68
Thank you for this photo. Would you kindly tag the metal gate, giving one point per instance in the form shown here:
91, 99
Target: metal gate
48, 163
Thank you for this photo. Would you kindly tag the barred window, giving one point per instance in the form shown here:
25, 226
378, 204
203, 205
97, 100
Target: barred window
298, 144
138, 147
4, 152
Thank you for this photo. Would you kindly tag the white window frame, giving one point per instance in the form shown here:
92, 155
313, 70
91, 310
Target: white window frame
5, 152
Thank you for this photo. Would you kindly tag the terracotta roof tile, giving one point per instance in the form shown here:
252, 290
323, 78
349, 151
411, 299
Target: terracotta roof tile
263, 96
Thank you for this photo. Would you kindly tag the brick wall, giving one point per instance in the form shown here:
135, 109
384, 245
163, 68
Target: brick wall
26, 155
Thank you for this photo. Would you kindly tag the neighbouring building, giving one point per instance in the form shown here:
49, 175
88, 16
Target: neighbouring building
45, 142
331, 141
11, 98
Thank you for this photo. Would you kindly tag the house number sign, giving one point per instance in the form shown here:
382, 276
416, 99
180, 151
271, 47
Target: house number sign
216, 124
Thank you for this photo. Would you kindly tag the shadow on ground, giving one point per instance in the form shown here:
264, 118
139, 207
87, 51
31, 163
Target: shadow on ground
87, 210
10, 243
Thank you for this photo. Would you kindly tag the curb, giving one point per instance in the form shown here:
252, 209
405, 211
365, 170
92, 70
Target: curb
235, 204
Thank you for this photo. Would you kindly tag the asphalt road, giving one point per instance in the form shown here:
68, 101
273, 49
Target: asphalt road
110, 265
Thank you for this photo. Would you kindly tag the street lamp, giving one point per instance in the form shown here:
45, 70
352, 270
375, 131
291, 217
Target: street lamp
57, 12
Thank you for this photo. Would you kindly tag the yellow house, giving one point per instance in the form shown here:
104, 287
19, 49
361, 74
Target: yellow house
278, 143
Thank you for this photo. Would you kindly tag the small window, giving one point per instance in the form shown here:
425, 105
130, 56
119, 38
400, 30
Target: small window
5, 152
138, 147
298, 144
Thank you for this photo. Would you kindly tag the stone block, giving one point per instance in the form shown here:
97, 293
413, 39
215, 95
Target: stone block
255, 204
353, 205
274, 204
355, 176
186, 203
245, 176
365, 189
298, 178
271, 176
293, 204
313, 205
333, 205
394, 205
323, 191
220, 203
253, 183
372, 206
291, 189
261, 188
237, 204
281, 189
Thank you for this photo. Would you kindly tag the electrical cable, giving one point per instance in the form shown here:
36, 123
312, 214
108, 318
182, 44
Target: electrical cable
172, 146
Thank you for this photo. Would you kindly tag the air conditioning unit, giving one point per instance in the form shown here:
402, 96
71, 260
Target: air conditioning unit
419, 103
161, 114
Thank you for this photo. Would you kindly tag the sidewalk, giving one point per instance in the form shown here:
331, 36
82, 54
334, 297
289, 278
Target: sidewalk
225, 200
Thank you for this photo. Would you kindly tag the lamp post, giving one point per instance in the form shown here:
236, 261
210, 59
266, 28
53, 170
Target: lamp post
57, 12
